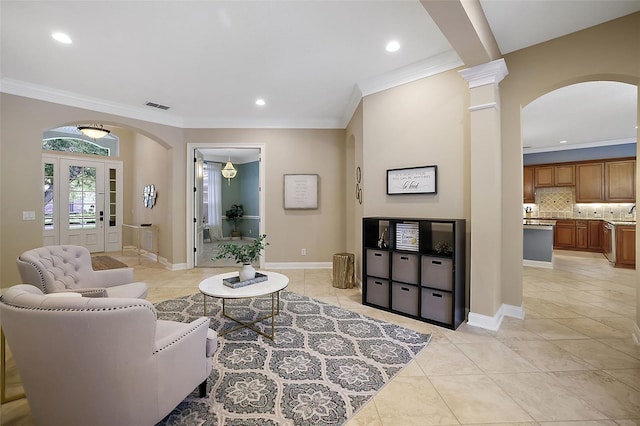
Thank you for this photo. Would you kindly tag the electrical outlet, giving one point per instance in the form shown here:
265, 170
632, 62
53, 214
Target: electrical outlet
28, 215
303, 251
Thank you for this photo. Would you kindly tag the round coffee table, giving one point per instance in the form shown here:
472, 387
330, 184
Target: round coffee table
214, 287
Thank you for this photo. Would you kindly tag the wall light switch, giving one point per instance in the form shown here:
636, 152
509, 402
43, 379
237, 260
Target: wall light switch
28, 215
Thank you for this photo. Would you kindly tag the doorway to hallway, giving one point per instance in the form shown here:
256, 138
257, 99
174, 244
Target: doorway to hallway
216, 202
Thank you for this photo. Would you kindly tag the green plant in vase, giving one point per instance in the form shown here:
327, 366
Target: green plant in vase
245, 254
234, 214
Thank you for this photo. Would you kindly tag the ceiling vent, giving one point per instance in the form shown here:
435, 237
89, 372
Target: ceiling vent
155, 105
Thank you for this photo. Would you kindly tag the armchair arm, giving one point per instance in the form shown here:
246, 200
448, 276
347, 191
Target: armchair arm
181, 359
171, 334
85, 292
112, 277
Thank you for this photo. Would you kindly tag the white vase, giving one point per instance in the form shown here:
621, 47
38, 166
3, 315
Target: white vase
247, 272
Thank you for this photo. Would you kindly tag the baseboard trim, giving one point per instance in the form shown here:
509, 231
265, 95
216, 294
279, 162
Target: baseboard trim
174, 266
537, 263
493, 323
298, 265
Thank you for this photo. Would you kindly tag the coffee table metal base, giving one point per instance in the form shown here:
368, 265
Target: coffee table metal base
275, 310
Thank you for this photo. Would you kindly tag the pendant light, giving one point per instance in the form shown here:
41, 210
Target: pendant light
228, 171
94, 131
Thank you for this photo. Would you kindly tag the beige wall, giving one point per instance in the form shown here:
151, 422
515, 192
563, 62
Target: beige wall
425, 122
610, 51
22, 122
154, 153
354, 159
418, 124
321, 231
150, 162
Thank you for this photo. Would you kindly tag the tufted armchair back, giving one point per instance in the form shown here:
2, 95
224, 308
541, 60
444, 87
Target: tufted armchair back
68, 268
102, 361
56, 268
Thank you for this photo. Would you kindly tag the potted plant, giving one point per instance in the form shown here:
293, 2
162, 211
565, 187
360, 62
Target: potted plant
235, 213
243, 253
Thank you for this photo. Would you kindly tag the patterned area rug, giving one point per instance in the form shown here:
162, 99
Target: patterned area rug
325, 363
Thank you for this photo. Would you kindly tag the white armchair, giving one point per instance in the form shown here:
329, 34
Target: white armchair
102, 361
68, 268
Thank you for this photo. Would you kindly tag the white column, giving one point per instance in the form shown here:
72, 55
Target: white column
486, 193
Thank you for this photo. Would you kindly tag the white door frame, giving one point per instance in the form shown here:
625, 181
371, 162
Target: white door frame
111, 235
190, 201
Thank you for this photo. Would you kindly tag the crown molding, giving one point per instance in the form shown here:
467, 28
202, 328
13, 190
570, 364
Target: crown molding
434, 65
565, 147
437, 64
63, 97
352, 104
230, 123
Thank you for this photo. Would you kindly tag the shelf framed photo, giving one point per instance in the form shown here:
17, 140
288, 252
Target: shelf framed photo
412, 180
301, 191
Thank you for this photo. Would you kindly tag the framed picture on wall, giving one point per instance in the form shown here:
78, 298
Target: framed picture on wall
301, 191
412, 180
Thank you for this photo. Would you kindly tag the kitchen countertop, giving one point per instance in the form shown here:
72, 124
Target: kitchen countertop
621, 222
530, 221
538, 223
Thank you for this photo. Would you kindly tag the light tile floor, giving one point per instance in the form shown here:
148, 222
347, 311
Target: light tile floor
572, 361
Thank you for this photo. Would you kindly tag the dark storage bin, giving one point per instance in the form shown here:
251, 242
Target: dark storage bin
378, 263
436, 306
437, 273
405, 268
378, 292
404, 298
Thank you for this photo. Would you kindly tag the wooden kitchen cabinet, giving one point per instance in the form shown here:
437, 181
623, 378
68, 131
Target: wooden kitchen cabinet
557, 175
589, 235
626, 246
620, 181
582, 234
529, 195
590, 182
594, 241
564, 175
543, 176
564, 234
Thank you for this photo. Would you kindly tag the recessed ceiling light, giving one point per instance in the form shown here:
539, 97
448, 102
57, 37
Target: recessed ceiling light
392, 46
260, 102
563, 141
61, 37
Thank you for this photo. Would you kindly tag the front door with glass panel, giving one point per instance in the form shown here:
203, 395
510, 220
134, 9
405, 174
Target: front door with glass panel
83, 203
83, 214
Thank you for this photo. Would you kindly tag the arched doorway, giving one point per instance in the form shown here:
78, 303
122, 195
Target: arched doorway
83, 190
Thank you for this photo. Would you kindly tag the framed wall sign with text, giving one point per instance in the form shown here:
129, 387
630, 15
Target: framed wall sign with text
301, 191
412, 180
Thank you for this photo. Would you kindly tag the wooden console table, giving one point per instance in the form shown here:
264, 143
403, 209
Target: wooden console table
140, 232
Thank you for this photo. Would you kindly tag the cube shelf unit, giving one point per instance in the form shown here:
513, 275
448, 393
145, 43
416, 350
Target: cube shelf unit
419, 269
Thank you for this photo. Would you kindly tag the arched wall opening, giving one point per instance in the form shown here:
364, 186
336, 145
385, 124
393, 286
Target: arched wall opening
513, 103
144, 161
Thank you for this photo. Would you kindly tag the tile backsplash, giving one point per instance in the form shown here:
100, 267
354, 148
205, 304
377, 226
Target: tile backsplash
560, 203
555, 199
